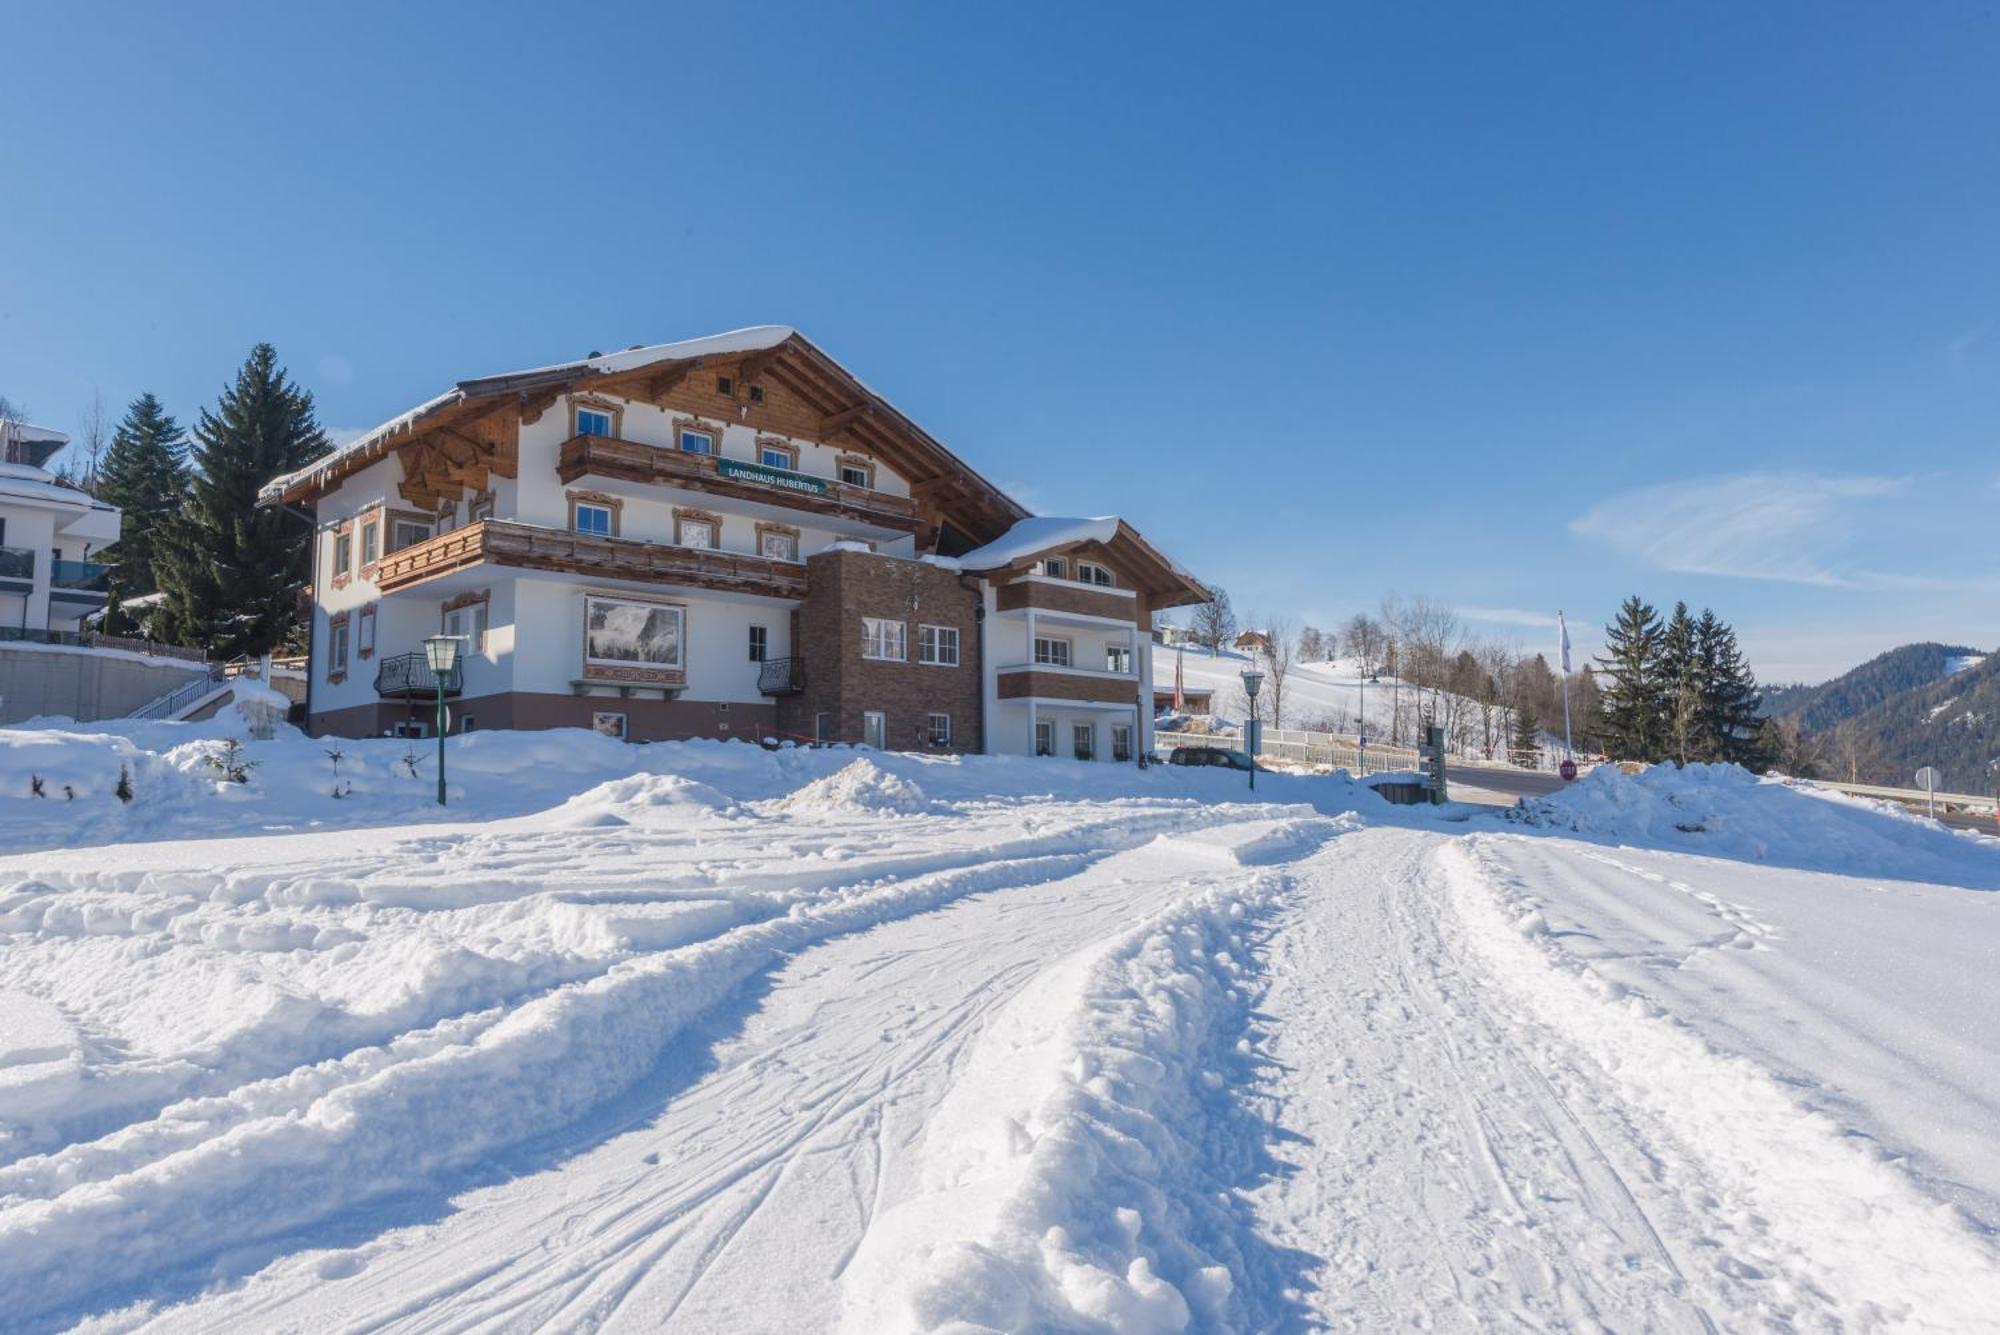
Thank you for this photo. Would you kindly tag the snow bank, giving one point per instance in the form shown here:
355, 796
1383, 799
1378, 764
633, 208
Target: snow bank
1725, 811
1786, 1190
862, 786
1072, 1178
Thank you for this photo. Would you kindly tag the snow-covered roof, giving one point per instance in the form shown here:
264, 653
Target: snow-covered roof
24, 482
1040, 533
755, 338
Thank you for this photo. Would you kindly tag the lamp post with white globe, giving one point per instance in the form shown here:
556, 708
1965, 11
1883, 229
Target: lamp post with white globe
1252, 729
442, 652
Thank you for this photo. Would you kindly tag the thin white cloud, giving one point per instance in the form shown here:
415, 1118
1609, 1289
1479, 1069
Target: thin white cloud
1508, 616
1955, 349
1787, 527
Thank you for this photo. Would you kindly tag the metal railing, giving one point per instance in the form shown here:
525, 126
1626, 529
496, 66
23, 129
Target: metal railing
781, 676
1305, 748
410, 674
178, 699
91, 639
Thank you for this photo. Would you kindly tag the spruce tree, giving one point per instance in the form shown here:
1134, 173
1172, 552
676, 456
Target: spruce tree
145, 475
1730, 704
232, 572
1527, 736
1632, 715
1680, 684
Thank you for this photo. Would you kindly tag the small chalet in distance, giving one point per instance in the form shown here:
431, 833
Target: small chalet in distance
49, 529
726, 537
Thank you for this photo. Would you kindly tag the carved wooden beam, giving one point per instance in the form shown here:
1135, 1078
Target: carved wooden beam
754, 364
830, 427
534, 405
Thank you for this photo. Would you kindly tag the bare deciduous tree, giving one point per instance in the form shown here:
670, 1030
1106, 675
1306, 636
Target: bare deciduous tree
1214, 622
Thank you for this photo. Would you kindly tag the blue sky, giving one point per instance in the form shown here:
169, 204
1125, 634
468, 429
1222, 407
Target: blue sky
1515, 306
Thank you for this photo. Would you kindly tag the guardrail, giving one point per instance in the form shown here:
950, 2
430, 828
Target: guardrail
1986, 802
174, 701
90, 639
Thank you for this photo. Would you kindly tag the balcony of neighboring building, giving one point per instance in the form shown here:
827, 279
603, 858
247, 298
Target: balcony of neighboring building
504, 543
410, 677
613, 460
86, 582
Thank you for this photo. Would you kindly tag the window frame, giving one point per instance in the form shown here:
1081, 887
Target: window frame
766, 532
364, 633
337, 647
426, 523
371, 537
1044, 727
881, 728
596, 500
860, 464
610, 723
760, 644
343, 553
870, 626
1095, 573
930, 644
1113, 652
932, 733
782, 448
683, 429
1055, 567
707, 519
1083, 740
1066, 659
1121, 753
460, 607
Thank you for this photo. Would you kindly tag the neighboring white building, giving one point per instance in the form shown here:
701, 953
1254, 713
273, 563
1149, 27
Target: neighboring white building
731, 536
49, 530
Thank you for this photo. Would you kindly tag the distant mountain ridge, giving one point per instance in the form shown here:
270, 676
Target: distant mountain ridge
1854, 692
1921, 704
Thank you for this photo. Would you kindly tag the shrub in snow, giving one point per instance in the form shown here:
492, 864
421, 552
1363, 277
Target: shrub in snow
229, 759
124, 788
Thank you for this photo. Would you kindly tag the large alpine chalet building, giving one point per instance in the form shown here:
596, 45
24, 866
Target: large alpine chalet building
726, 537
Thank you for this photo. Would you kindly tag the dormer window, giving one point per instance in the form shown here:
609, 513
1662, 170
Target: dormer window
1056, 568
1091, 573
696, 440
594, 422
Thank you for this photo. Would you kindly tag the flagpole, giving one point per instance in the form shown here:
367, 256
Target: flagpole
1569, 752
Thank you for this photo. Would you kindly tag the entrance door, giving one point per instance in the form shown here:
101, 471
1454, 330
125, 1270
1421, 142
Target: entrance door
875, 729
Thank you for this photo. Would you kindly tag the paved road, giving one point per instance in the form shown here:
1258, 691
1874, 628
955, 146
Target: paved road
1515, 782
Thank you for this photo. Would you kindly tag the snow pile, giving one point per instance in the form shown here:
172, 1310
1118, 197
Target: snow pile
1725, 811
644, 799
861, 787
1785, 1190
1071, 1176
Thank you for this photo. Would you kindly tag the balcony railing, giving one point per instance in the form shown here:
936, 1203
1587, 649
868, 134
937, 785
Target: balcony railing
782, 676
17, 563
630, 461
88, 575
411, 675
531, 547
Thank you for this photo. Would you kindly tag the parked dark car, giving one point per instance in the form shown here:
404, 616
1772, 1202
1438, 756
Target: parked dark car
1209, 755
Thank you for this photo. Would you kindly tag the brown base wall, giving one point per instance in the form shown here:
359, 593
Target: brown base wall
645, 720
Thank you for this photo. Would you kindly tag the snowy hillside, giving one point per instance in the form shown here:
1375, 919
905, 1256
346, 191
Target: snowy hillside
697, 1036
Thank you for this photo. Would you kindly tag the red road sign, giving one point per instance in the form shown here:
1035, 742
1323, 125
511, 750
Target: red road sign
1567, 769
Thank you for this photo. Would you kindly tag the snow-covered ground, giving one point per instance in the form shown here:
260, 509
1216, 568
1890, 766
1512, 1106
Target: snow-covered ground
702, 1037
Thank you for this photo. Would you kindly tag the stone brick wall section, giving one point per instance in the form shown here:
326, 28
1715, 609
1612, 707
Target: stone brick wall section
842, 587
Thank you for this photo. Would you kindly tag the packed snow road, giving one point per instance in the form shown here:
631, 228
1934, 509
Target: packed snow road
783, 1042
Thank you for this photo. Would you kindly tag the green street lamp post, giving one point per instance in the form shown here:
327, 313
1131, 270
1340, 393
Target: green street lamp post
1252, 729
441, 652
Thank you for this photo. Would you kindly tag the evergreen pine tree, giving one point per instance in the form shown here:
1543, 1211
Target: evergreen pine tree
1730, 703
1633, 710
1527, 735
1684, 723
144, 474
232, 572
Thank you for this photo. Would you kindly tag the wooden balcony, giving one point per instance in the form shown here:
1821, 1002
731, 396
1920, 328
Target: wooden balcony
530, 547
630, 461
1021, 681
1067, 598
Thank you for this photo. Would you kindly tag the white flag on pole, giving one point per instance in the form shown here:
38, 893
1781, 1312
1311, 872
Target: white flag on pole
1563, 626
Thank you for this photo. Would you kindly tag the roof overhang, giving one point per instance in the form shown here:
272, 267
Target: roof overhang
849, 410
1107, 537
